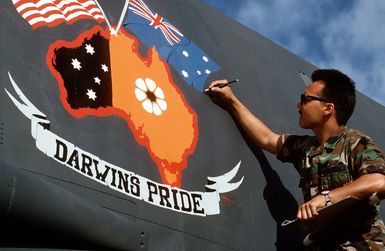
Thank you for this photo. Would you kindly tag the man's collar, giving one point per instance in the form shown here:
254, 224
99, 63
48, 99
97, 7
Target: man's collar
332, 141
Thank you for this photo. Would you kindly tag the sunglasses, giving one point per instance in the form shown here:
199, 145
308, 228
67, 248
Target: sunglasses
307, 98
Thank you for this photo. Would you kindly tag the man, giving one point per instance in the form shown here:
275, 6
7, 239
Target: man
335, 163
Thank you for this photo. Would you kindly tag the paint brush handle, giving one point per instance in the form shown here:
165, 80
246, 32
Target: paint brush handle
221, 85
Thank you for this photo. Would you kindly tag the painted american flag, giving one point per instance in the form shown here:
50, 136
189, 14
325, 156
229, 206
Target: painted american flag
50, 13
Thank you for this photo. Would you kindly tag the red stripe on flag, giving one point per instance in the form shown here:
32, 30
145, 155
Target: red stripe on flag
55, 12
57, 21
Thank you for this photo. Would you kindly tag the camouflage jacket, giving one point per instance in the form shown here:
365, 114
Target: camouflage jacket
342, 159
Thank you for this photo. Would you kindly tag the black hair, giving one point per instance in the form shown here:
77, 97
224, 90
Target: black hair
340, 90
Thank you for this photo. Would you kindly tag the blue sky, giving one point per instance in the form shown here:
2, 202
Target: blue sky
348, 35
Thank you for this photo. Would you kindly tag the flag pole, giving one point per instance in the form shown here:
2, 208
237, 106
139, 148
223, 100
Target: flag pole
122, 16
105, 17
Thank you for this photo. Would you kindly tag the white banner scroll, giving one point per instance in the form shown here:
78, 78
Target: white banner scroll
119, 179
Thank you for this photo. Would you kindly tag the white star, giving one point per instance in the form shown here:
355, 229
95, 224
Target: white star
205, 59
104, 68
90, 49
199, 72
185, 53
76, 64
184, 73
97, 80
91, 94
207, 71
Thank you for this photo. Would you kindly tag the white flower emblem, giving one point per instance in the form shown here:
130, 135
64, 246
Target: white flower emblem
151, 96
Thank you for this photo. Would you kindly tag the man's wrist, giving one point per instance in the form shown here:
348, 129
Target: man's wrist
326, 195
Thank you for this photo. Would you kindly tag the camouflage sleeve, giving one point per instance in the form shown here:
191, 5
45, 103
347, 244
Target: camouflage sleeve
290, 147
368, 157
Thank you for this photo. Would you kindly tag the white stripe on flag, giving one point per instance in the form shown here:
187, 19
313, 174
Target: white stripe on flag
55, 17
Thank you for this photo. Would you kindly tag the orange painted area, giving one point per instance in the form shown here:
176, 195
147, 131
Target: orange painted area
170, 137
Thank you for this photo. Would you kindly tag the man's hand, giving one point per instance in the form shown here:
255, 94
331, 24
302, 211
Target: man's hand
220, 93
362, 187
308, 210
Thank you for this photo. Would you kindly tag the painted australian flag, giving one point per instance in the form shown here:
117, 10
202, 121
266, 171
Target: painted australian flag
190, 61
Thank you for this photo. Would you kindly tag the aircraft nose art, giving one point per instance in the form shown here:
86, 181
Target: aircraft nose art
101, 75
117, 115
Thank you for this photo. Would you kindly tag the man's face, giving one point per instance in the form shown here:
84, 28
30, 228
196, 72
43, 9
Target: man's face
312, 106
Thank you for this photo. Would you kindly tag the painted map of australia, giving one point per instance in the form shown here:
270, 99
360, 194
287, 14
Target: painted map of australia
103, 75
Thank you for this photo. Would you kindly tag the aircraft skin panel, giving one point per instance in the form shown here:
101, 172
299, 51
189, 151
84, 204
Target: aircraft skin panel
162, 202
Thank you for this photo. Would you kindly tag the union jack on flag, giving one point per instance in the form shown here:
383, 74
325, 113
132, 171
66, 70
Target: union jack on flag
53, 12
170, 32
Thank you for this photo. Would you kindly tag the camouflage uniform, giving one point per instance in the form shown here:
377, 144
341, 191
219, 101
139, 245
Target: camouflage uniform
342, 159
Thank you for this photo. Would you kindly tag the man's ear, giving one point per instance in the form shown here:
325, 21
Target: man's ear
329, 108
